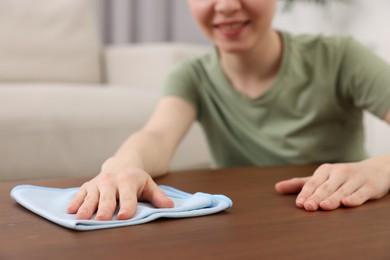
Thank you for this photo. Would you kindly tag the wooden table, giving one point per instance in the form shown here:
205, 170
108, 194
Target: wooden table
260, 225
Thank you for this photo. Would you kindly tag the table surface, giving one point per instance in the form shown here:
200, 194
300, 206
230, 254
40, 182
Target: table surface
261, 224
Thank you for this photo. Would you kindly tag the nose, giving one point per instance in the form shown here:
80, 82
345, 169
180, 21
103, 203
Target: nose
227, 7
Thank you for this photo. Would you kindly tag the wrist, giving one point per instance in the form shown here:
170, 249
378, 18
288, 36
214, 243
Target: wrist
122, 162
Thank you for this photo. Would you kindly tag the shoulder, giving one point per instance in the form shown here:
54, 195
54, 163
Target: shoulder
186, 77
327, 50
192, 68
310, 41
323, 45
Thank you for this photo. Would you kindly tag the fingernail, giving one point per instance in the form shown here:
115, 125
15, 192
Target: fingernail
82, 213
70, 209
101, 215
325, 202
310, 205
301, 200
122, 213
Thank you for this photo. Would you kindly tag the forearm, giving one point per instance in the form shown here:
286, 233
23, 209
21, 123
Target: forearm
145, 150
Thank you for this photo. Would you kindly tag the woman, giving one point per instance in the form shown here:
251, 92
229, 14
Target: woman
263, 97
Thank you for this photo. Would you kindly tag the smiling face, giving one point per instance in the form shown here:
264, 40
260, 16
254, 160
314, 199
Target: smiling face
234, 25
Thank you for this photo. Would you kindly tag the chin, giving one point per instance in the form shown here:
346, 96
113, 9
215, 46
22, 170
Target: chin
234, 48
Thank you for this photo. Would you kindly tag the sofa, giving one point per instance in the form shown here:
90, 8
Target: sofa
67, 102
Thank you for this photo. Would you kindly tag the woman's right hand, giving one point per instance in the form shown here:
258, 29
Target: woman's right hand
116, 182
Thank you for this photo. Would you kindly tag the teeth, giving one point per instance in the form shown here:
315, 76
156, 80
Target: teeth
232, 26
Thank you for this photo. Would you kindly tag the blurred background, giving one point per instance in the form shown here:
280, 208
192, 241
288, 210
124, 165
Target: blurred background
69, 97
149, 21
141, 21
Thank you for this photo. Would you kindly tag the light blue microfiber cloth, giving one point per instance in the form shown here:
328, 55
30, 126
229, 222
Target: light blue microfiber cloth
51, 204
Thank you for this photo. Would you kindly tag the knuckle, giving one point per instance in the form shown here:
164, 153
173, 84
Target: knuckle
326, 186
106, 176
85, 186
349, 172
315, 198
125, 178
343, 192
90, 197
106, 198
323, 171
310, 184
339, 169
326, 167
342, 167
127, 198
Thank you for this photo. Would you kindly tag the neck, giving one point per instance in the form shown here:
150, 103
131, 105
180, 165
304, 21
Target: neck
253, 71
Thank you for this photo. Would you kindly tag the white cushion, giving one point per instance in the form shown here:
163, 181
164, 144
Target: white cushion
53, 130
149, 64
48, 40
58, 130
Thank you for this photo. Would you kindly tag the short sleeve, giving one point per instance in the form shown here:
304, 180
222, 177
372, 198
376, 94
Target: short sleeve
365, 78
180, 82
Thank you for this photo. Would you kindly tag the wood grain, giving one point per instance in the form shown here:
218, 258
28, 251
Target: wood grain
260, 225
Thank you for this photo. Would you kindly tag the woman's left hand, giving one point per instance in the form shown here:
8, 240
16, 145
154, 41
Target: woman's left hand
333, 185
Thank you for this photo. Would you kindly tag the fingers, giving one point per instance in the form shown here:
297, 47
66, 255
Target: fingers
91, 197
156, 196
314, 190
293, 185
127, 201
357, 198
334, 185
107, 201
89, 205
335, 200
327, 187
101, 194
84, 203
77, 201
151, 192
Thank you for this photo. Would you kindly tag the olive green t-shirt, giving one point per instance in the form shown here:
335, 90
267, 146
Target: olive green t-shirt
311, 113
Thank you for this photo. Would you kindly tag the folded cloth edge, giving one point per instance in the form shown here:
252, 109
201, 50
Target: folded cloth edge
214, 207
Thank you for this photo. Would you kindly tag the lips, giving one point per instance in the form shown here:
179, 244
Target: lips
231, 28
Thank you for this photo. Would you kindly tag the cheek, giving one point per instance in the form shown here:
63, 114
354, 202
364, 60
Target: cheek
271, 9
202, 12
261, 6
262, 10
